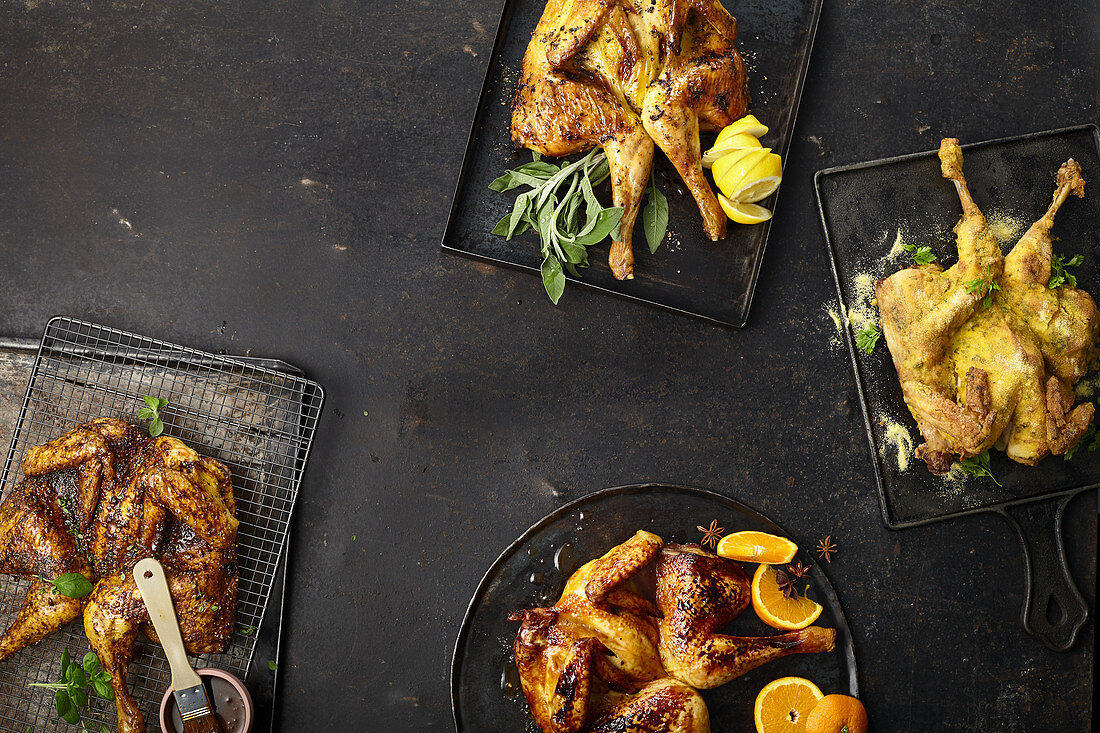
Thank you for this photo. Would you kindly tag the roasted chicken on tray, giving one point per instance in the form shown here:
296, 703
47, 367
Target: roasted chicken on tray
94, 502
625, 74
986, 350
604, 658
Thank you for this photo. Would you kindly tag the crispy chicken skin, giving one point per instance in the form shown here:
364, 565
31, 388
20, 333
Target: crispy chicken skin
599, 659
623, 74
699, 594
95, 501
977, 376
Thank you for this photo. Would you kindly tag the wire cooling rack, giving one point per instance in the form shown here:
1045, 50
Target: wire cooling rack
258, 421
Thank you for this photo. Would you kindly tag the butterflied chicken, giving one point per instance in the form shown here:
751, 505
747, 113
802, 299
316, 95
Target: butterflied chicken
622, 75
94, 502
986, 351
603, 658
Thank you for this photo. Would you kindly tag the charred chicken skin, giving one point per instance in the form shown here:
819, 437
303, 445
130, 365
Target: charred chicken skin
987, 353
94, 502
623, 74
599, 659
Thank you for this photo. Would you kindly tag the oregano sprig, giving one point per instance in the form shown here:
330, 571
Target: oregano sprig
151, 411
72, 689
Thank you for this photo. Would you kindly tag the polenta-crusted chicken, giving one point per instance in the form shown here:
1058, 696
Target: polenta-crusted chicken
94, 502
624, 74
987, 353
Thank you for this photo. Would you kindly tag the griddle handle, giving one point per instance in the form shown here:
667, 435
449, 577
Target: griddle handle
1054, 610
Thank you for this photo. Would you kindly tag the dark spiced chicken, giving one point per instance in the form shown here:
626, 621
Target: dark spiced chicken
625, 74
604, 658
94, 502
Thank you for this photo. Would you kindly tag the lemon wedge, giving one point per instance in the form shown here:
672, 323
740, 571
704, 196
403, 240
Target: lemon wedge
733, 142
757, 190
734, 169
744, 213
747, 125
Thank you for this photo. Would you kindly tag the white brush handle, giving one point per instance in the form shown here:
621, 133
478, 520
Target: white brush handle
149, 576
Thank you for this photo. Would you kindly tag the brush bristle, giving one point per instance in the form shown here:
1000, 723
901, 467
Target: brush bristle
203, 724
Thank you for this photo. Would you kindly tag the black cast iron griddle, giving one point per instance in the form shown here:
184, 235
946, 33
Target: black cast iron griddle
865, 208
689, 273
531, 572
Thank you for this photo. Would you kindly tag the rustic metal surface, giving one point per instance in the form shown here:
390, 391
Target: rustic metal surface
275, 178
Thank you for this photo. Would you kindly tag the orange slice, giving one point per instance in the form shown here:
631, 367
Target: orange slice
783, 705
837, 713
776, 610
750, 546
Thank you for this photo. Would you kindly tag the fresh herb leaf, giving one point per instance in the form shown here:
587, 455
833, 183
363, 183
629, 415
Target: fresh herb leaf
1090, 440
152, 412
978, 466
655, 215
561, 206
867, 338
70, 585
1058, 274
247, 630
919, 255
985, 286
72, 689
271, 665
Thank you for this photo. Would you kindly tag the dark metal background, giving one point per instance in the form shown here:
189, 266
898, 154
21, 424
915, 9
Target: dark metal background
486, 408
689, 273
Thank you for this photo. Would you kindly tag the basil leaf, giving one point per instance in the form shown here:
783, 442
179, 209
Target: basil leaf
91, 663
103, 689
156, 427
145, 413
655, 217
72, 585
607, 222
553, 279
162, 402
153, 402
65, 707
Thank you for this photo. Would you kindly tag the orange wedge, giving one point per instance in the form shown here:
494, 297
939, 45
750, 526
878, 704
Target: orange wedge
750, 546
783, 705
776, 610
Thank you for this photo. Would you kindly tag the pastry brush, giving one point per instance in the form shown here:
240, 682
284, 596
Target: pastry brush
193, 703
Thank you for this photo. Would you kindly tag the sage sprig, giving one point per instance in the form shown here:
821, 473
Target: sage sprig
561, 205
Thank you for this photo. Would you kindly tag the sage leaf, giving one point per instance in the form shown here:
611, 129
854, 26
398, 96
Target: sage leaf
655, 217
606, 223
553, 279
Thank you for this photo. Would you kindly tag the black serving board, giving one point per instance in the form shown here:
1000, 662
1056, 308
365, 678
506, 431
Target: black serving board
484, 689
863, 210
689, 273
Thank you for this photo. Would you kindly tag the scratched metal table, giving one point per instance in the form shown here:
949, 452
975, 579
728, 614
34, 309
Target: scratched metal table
275, 179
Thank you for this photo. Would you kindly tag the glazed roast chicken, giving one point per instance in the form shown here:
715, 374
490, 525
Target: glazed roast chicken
987, 353
604, 658
94, 502
625, 74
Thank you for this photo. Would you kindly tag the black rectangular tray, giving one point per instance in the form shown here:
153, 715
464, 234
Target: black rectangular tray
689, 273
864, 206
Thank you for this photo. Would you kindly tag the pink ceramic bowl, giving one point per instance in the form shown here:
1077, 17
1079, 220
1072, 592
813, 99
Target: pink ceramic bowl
223, 685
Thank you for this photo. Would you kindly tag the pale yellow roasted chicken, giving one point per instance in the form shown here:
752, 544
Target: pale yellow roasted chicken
603, 659
95, 501
987, 353
623, 74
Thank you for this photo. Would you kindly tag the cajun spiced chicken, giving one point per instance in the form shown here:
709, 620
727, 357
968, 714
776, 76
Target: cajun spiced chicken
625, 74
604, 658
94, 502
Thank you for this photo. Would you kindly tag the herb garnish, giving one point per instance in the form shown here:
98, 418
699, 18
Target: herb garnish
72, 688
985, 286
919, 255
70, 585
978, 466
1058, 274
151, 411
711, 534
1090, 433
563, 232
247, 630
271, 665
867, 338
654, 215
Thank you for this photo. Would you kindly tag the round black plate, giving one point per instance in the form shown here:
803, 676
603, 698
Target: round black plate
485, 694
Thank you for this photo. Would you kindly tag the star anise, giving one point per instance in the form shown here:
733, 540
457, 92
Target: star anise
826, 548
786, 584
711, 534
799, 570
